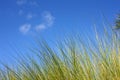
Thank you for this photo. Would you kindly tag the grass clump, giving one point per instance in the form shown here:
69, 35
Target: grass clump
72, 59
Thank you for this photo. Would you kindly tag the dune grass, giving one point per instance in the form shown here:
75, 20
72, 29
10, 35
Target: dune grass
71, 59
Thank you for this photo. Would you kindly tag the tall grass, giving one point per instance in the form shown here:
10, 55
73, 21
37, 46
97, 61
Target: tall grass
71, 59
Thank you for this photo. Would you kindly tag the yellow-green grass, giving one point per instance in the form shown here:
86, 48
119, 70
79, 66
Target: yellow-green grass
71, 59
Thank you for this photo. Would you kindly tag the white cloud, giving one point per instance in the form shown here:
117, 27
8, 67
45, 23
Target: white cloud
21, 2
48, 18
48, 21
25, 28
40, 27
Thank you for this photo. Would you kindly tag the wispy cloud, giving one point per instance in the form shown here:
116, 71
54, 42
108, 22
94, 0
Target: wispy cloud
25, 28
28, 2
21, 2
48, 21
33, 3
27, 15
48, 18
40, 27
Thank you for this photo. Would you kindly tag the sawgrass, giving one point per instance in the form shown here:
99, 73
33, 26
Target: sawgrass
71, 59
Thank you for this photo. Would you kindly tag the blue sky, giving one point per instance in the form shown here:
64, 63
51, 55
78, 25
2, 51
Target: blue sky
20, 20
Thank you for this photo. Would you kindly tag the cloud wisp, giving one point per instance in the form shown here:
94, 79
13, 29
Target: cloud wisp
21, 2
48, 21
26, 15
48, 18
28, 2
24, 29
33, 3
40, 27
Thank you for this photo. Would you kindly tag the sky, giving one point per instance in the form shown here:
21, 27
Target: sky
21, 20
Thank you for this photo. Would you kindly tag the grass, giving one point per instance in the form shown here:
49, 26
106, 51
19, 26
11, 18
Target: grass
71, 59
